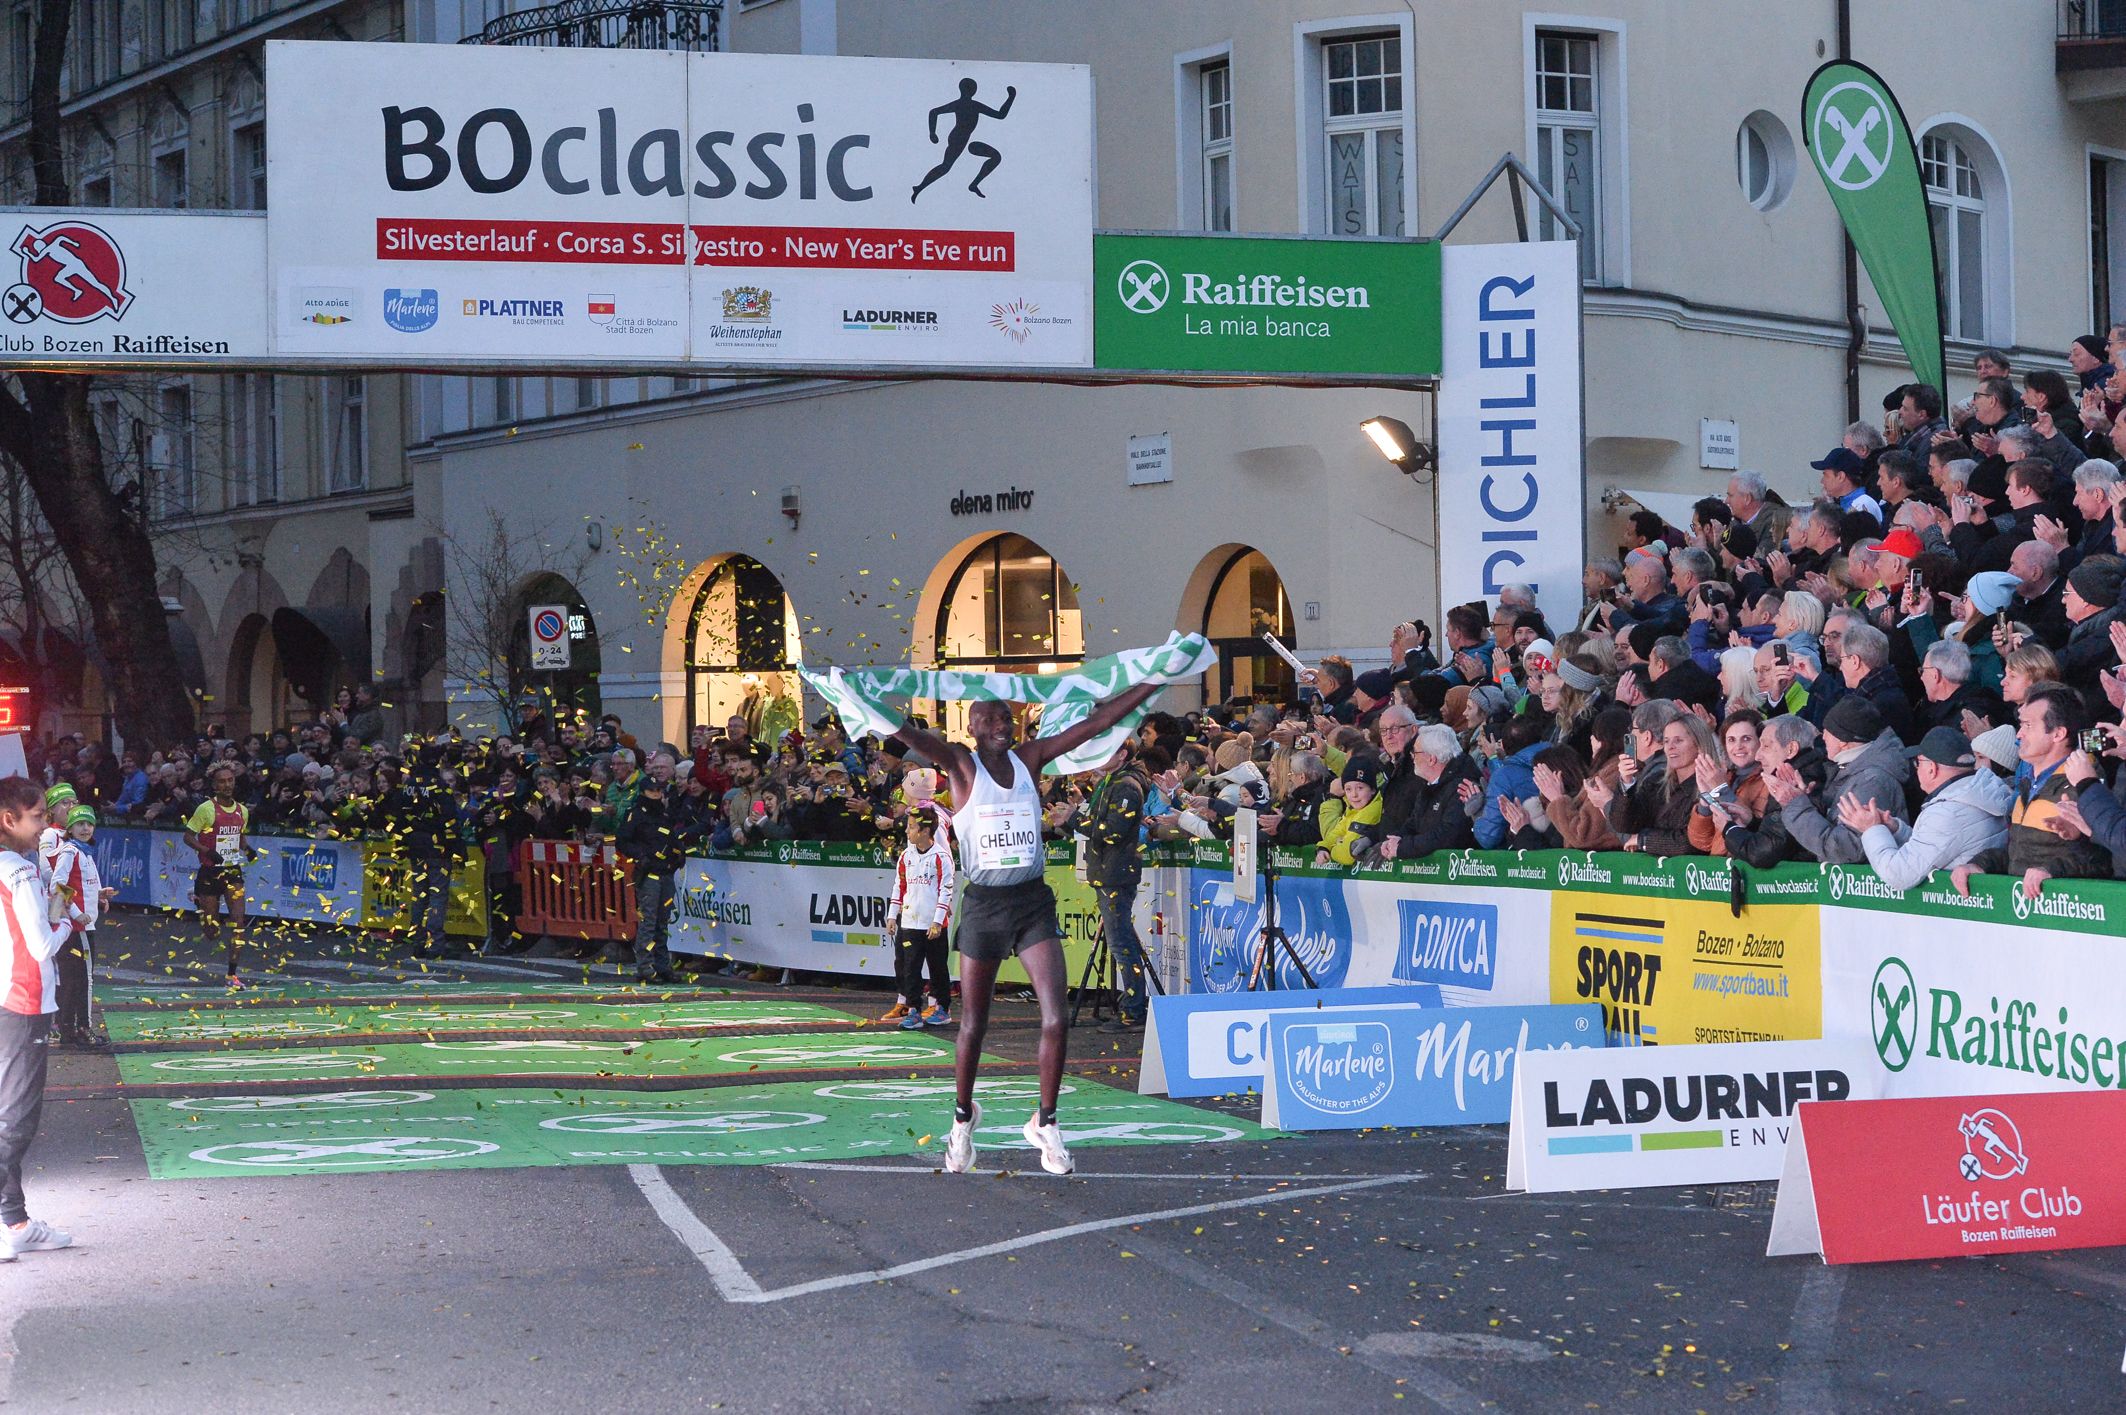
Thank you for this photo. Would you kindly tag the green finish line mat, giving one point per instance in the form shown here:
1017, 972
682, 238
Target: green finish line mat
659, 1056
211, 1136
421, 1015
283, 992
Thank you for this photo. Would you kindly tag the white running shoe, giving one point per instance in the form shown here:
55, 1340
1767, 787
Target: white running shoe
959, 1145
36, 1236
1048, 1139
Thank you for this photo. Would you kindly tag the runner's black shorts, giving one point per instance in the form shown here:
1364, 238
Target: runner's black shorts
217, 880
996, 921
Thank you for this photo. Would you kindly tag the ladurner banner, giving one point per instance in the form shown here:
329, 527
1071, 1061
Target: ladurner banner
498, 205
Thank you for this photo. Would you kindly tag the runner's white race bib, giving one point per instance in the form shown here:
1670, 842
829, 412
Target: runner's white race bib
1001, 836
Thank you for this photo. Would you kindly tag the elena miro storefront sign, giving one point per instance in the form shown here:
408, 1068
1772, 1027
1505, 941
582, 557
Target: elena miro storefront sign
989, 503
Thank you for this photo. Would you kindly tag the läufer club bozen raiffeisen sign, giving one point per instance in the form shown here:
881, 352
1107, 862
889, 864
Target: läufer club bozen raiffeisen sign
1266, 306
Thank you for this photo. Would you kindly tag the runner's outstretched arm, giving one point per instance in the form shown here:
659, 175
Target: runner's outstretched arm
931, 746
1043, 750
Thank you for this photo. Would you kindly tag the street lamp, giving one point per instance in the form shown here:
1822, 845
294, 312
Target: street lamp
1400, 446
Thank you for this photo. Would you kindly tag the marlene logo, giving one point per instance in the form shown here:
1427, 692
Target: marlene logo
1340, 1067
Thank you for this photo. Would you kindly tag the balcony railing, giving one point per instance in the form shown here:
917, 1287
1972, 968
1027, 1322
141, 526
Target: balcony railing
689, 26
2091, 35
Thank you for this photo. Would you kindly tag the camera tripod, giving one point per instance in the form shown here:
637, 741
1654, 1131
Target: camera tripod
1262, 976
1099, 969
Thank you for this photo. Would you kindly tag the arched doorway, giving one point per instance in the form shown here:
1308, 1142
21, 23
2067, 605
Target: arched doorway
1007, 607
565, 692
260, 697
742, 649
1245, 600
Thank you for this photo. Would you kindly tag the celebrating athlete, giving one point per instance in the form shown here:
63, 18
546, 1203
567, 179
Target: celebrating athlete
1007, 906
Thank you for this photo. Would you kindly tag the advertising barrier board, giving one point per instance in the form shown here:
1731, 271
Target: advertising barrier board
1359, 1067
103, 289
1627, 1117
1952, 1176
582, 206
1210, 1044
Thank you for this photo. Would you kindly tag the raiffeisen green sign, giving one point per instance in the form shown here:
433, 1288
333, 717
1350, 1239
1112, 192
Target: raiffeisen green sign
1268, 306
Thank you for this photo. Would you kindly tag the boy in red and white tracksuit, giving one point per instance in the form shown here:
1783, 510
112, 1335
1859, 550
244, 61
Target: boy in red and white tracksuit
29, 940
921, 912
77, 892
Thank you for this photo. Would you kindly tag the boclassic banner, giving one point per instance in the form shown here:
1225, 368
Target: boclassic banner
493, 206
1862, 148
109, 288
1510, 447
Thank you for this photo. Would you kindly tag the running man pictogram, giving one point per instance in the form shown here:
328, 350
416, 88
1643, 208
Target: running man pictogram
966, 113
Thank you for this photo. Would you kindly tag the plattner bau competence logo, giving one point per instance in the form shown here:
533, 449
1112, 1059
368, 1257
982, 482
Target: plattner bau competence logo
1908, 1019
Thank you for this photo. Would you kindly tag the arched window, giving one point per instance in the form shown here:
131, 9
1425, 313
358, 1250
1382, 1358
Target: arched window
743, 647
1007, 608
1246, 601
1968, 206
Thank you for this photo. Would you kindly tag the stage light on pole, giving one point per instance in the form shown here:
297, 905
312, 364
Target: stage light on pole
1399, 445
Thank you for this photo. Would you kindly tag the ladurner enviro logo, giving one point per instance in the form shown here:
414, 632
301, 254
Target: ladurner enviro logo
71, 272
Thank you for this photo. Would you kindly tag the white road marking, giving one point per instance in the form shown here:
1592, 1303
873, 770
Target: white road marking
724, 1269
736, 1285
931, 1169
1454, 1346
513, 970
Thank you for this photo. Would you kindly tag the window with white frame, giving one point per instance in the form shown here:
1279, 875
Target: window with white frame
175, 475
1568, 138
247, 167
1956, 209
1214, 84
97, 49
347, 428
168, 175
254, 437
21, 55
1362, 134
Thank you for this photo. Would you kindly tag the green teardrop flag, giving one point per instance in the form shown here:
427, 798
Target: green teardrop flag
1863, 150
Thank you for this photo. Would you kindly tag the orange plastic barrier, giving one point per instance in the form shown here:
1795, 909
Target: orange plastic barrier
574, 891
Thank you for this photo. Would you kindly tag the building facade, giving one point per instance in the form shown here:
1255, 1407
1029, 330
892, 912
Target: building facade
705, 534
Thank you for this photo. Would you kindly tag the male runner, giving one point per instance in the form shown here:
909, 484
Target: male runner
216, 831
966, 113
1007, 906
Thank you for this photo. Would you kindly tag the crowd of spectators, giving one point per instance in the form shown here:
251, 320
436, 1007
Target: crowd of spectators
1917, 669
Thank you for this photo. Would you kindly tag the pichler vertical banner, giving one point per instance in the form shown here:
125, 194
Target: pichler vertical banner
1510, 454
1863, 150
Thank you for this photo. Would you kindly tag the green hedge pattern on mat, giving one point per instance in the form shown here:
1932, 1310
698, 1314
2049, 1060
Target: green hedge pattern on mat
270, 991
659, 1056
423, 1015
214, 1135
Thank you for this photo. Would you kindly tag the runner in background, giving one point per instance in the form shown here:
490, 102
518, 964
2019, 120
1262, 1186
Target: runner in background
1007, 906
78, 888
27, 986
216, 831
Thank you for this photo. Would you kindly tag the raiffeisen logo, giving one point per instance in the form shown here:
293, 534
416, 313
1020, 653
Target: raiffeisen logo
1845, 882
2011, 1034
2057, 906
1702, 881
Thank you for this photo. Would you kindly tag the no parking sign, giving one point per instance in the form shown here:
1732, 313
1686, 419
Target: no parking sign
549, 636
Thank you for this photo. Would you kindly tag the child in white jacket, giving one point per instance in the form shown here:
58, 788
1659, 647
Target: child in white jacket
78, 891
921, 912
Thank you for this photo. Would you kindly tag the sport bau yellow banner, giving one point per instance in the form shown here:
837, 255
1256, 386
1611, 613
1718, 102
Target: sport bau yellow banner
1672, 972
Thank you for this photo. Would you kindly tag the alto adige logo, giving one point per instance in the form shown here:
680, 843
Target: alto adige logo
411, 311
1340, 1067
324, 305
71, 273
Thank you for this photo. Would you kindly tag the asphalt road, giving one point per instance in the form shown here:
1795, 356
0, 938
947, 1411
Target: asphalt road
1367, 1271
